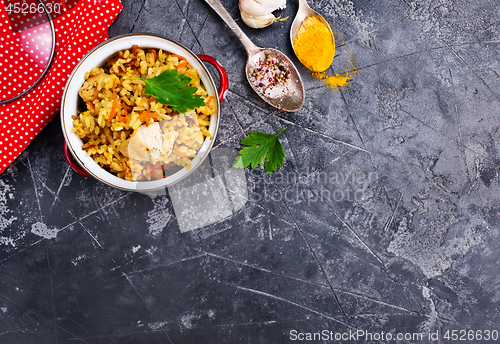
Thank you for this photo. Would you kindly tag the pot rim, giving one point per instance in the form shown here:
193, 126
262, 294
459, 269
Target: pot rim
73, 85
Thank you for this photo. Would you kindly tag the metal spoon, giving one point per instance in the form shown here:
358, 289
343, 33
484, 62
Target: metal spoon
303, 12
292, 97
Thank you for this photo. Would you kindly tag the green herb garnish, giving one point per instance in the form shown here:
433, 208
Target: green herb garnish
171, 88
261, 146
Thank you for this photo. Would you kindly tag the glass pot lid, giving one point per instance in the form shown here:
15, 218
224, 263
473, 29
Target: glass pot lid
27, 45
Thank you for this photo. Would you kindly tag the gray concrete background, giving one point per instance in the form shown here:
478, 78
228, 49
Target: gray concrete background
392, 227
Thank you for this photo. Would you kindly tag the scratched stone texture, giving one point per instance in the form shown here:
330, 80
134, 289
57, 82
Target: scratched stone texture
383, 219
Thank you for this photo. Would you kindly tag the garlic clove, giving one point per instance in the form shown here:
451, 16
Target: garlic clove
258, 13
257, 8
258, 22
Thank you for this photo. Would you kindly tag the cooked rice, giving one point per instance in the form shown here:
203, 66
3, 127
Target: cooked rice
116, 109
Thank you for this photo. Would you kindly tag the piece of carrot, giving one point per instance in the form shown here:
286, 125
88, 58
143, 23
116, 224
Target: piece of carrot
147, 115
155, 173
96, 93
134, 49
113, 109
178, 152
144, 115
123, 117
182, 61
181, 64
210, 100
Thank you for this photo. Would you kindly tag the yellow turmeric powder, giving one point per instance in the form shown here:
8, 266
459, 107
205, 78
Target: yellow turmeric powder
314, 44
337, 80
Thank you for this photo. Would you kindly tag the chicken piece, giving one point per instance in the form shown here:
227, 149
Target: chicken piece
87, 91
134, 149
150, 137
149, 143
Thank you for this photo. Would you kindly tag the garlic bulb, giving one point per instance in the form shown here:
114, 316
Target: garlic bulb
258, 13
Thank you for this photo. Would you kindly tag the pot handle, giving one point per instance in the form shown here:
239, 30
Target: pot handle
224, 81
72, 162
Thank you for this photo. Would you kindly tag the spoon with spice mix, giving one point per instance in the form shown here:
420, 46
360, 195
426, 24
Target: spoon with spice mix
270, 73
312, 39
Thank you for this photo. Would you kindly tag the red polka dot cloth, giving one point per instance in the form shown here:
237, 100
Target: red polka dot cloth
79, 26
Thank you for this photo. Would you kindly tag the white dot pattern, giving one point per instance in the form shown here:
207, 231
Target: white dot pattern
24, 48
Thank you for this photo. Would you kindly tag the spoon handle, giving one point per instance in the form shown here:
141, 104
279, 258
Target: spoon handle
302, 3
221, 11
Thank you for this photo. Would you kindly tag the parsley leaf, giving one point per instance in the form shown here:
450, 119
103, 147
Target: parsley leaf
172, 89
260, 146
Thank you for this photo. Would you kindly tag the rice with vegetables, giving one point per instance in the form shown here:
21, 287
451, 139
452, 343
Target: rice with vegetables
128, 132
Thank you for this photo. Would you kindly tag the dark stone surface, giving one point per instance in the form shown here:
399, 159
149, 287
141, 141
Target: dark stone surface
384, 217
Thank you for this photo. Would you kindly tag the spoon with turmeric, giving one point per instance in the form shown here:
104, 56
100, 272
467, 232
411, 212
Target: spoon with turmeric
271, 74
312, 39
